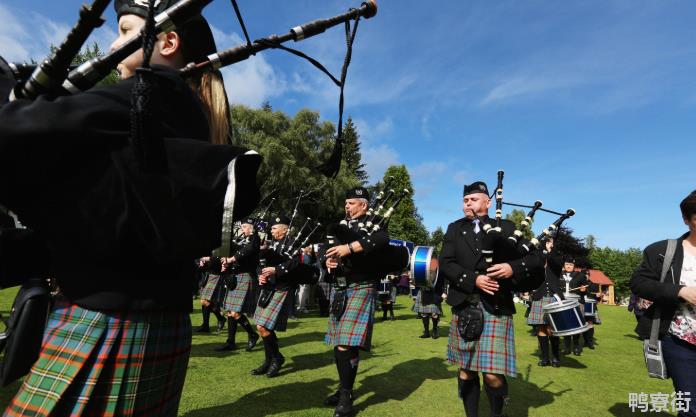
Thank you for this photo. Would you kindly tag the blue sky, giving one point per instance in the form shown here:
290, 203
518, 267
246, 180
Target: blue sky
584, 104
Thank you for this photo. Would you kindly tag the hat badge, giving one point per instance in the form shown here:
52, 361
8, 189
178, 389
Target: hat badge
481, 187
277, 219
146, 3
358, 192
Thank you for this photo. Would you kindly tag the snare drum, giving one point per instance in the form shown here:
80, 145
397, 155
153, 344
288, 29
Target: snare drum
590, 308
565, 317
424, 266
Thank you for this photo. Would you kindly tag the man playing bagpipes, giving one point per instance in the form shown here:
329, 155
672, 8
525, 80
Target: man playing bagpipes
359, 247
481, 336
239, 271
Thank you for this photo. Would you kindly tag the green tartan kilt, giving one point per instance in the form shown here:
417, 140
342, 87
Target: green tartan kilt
241, 299
275, 315
536, 313
493, 352
107, 364
354, 328
425, 309
212, 288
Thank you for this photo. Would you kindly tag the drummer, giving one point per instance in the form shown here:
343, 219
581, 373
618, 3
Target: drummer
427, 306
540, 298
592, 294
575, 287
386, 294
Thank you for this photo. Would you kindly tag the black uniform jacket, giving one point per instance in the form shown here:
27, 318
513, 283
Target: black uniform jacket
461, 262
247, 254
551, 284
376, 258
289, 272
120, 238
645, 283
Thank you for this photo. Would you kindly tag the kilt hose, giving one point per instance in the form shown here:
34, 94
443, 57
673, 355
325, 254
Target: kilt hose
241, 299
493, 352
212, 288
354, 327
425, 309
275, 315
536, 313
107, 364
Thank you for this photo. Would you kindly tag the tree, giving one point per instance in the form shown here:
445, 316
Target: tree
87, 54
406, 223
567, 244
590, 242
351, 151
437, 237
617, 265
516, 216
291, 148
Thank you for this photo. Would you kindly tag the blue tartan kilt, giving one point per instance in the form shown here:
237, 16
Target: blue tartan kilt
275, 315
354, 327
493, 352
242, 298
425, 309
212, 290
536, 313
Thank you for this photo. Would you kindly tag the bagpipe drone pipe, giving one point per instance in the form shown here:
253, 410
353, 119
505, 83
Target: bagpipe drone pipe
498, 236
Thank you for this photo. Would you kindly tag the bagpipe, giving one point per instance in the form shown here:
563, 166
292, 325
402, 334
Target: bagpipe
494, 235
389, 259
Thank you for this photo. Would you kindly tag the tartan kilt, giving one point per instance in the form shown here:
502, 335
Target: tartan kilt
213, 286
107, 364
354, 328
494, 352
241, 299
275, 315
536, 312
427, 309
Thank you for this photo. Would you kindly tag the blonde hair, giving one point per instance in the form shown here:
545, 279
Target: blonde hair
210, 88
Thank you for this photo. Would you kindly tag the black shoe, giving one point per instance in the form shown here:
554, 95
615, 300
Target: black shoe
393, 318
345, 404
203, 329
577, 352
544, 362
221, 325
227, 346
261, 369
274, 368
590, 346
555, 363
425, 335
332, 400
253, 338
435, 333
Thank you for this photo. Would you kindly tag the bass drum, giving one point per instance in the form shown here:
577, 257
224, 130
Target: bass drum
424, 266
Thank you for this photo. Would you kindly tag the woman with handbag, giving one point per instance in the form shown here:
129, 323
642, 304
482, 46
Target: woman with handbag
667, 277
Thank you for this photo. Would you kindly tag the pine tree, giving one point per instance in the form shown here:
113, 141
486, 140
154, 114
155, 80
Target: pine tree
351, 151
406, 223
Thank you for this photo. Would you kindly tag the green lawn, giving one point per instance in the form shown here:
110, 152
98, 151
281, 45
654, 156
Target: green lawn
404, 374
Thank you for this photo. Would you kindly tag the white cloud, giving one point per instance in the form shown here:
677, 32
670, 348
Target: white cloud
377, 159
372, 134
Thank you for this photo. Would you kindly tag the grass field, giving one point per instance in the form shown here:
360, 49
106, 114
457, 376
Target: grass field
405, 375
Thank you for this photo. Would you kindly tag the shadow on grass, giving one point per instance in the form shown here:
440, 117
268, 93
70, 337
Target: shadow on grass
208, 349
400, 381
525, 395
632, 336
622, 410
295, 396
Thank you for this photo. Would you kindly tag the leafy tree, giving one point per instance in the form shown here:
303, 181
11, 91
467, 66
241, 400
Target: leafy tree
567, 244
618, 265
406, 223
590, 242
437, 237
292, 147
351, 151
93, 52
516, 216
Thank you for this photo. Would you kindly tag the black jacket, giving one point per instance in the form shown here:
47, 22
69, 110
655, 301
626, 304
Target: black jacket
645, 283
551, 284
461, 262
289, 271
120, 239
247, 254
376, 258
